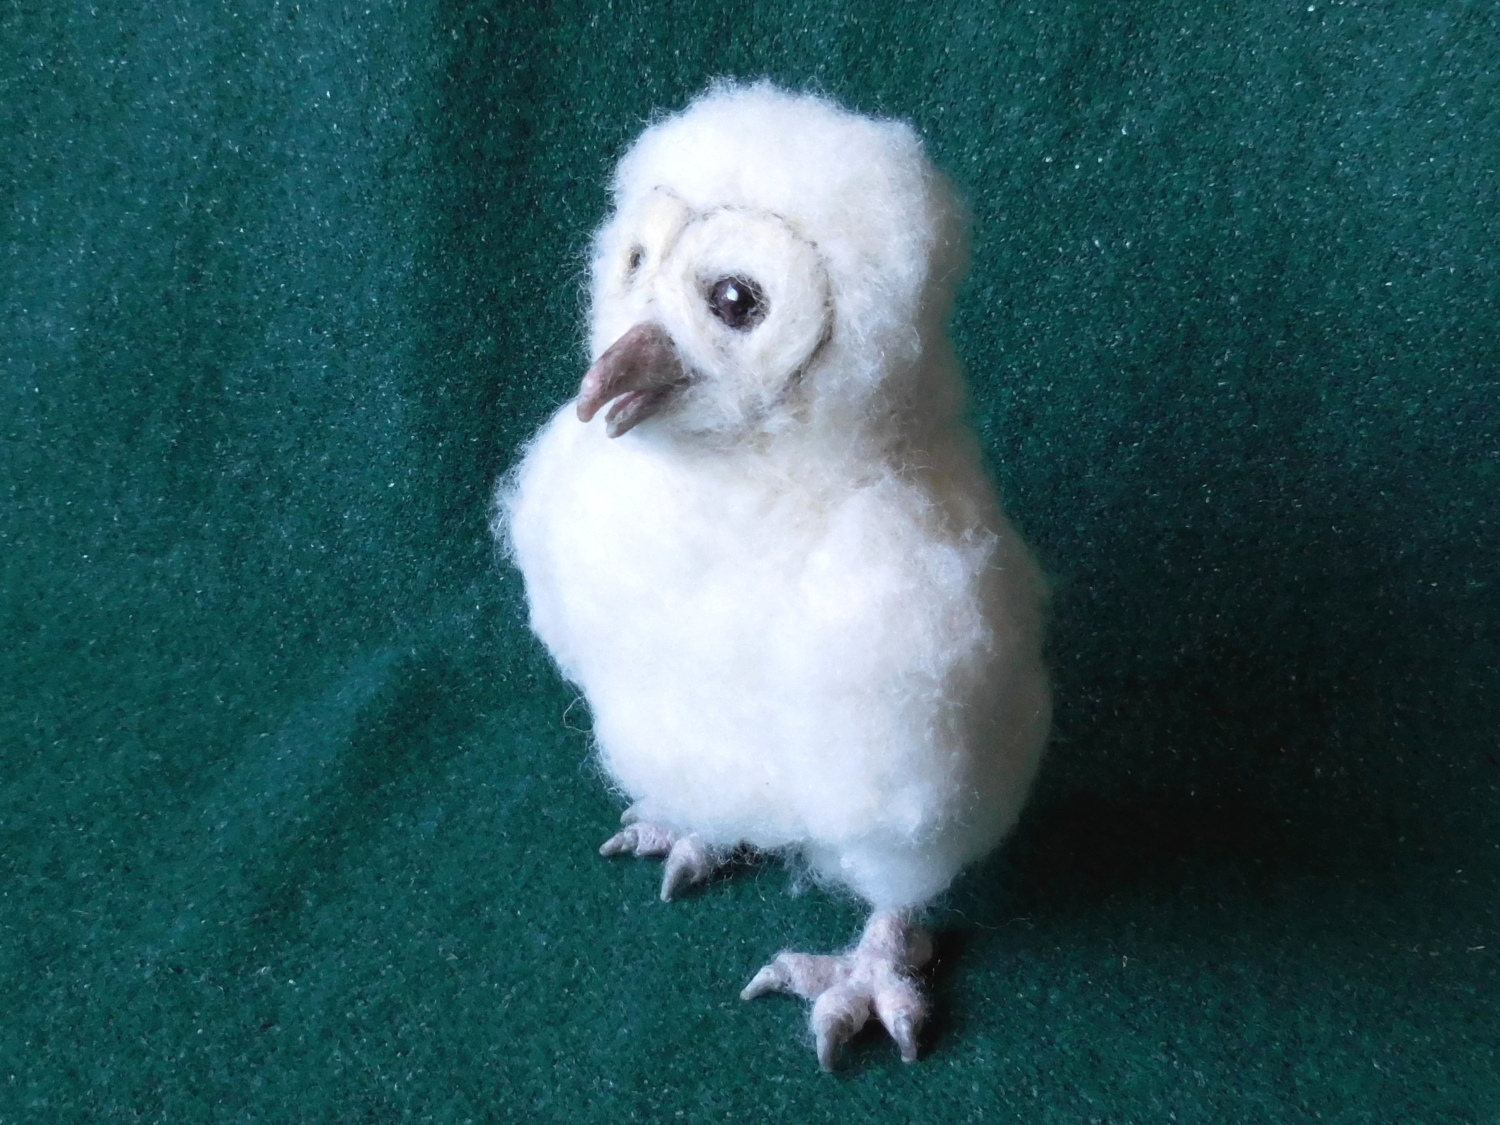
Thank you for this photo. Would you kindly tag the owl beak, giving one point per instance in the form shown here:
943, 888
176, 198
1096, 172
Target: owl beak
639, 371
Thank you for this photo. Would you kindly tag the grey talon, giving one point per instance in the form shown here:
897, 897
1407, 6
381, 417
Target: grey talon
905, 1035
690, 861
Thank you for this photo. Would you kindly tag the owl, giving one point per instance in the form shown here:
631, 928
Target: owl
762, 543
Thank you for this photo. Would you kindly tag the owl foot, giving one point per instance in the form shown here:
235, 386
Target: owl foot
876, 975
689, 860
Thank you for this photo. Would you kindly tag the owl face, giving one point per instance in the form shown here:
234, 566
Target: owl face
708, 319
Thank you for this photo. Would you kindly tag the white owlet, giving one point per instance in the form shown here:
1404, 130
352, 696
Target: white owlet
761, 540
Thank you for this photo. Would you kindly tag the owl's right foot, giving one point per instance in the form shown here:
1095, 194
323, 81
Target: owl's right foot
689, 861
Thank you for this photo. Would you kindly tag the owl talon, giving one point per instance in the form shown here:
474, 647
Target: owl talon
688, 859
639, 839
876, 977
904, 1032
770, 979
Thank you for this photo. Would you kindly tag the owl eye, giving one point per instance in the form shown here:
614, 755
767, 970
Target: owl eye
738, 302
633, 262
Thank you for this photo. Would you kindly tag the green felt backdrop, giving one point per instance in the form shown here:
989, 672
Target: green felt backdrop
296, 821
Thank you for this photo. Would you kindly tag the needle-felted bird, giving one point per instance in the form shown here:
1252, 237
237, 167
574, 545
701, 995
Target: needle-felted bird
761, 540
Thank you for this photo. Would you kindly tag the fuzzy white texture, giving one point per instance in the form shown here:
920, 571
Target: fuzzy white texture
790, 598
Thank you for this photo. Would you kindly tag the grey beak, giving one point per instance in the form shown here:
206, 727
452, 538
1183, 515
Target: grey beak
639, 371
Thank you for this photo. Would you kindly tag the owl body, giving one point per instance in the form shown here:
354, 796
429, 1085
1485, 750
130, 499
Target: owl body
786, 588
818, 657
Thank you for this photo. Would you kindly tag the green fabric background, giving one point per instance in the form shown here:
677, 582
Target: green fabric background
298, 823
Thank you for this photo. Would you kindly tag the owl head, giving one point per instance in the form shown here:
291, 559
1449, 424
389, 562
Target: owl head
773, 262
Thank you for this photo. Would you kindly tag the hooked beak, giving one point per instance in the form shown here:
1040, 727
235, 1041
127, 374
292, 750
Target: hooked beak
639, 371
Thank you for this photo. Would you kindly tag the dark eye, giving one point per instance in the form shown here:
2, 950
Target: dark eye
633, 262
738, 302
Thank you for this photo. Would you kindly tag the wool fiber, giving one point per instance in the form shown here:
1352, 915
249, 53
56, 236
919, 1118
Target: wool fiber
788, 592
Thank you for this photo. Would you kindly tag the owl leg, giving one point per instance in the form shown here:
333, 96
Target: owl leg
878, 975
689, 860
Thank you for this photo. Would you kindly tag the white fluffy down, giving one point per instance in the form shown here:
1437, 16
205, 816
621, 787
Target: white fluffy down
790, 598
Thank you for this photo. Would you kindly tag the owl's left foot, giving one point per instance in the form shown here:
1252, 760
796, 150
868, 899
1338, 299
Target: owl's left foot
878, 975
689, 860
